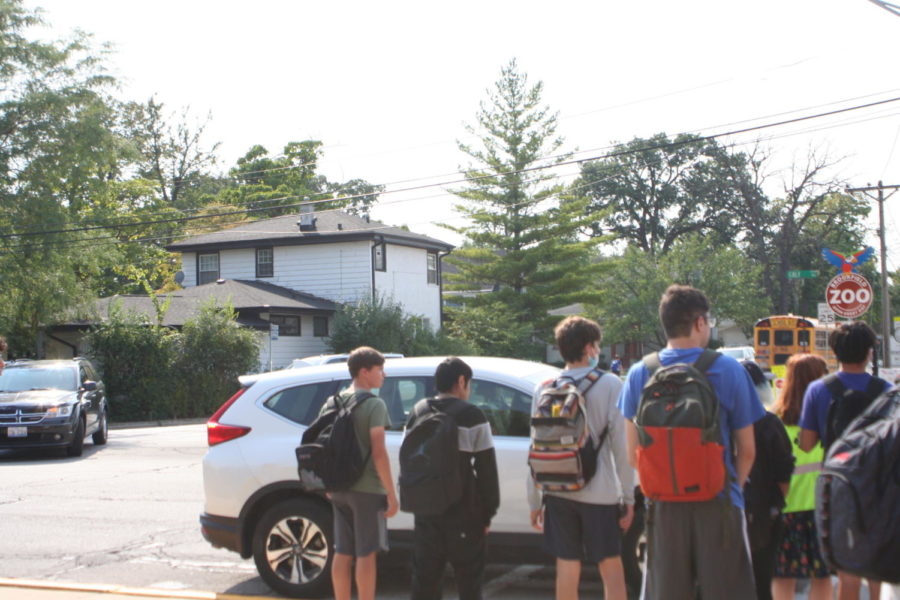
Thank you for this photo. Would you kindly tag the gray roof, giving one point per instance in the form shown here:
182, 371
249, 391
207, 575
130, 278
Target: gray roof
243, 295
330, 226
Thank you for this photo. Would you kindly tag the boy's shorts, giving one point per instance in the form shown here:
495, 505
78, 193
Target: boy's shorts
580, 531
359, 524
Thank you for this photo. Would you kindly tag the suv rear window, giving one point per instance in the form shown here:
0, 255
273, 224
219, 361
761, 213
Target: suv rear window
300, 404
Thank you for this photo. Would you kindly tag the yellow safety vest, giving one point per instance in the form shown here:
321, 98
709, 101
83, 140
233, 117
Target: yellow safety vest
807, 465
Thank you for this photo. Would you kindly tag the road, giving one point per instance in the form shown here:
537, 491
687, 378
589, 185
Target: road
127, 514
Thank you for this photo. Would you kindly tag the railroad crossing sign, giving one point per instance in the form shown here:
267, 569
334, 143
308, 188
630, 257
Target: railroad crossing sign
849, 295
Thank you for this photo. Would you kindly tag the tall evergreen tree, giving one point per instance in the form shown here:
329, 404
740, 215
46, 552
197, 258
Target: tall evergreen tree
522, 245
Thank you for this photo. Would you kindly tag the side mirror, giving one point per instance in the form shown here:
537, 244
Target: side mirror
89, 386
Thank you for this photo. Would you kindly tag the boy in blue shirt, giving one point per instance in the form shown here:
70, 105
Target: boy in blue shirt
699, 544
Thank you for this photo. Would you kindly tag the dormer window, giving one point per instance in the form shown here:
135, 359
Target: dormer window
207, 268
265, 262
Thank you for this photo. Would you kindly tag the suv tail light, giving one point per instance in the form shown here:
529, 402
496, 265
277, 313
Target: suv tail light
216, 432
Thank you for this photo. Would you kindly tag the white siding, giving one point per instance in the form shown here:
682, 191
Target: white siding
287, 348
406, 281
340, 272
189, 268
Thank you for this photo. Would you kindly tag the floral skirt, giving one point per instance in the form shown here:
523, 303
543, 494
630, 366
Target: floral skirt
798, 555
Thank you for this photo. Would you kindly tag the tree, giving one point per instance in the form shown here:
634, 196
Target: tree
631, 289
652, 192
58, 153
284, 181
522, 242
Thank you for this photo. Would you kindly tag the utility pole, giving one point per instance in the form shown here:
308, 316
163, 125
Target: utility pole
885, 292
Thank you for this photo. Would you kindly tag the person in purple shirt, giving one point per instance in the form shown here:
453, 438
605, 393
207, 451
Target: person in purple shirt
853, 344
699, 544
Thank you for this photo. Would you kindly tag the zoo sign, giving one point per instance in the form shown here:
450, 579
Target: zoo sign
849, 295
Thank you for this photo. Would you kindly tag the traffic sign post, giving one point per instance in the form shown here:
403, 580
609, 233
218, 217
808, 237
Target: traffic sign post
849, 295
826, 315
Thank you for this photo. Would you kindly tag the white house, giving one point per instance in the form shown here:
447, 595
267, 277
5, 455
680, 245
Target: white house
327, 256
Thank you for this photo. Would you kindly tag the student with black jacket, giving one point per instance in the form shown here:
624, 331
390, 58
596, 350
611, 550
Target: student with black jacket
457, 536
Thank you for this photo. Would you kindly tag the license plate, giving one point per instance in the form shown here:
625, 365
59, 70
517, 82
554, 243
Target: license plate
17, 432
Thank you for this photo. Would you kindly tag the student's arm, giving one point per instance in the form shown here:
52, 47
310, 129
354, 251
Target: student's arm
745, 446
808, 439
383, 468
631, 441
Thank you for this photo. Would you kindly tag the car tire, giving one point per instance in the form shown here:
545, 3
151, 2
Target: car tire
76, 446
293, 548
102, 434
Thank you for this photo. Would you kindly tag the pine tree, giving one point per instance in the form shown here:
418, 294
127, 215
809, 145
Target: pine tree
523, 255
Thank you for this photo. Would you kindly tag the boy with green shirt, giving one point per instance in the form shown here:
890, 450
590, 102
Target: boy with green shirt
361, 512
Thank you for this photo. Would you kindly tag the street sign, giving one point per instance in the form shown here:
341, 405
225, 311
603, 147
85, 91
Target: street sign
826, 315
802, 274
849, 295
273, 331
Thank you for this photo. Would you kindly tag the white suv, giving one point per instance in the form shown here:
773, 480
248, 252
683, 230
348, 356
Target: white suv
256, 506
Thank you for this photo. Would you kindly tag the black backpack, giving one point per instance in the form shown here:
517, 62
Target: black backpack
431, 479
846, 405
858, 494
330, 457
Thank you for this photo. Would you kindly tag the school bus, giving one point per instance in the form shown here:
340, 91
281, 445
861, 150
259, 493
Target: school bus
777, 338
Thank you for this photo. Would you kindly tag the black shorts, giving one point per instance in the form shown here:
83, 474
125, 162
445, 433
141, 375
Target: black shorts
580, 531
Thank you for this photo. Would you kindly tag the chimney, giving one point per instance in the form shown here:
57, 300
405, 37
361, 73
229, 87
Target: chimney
307, 222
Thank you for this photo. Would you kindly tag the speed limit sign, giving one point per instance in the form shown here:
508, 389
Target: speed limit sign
849, 295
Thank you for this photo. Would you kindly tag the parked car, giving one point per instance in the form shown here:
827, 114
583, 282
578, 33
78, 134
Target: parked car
328, 359
52, 403
256, 506
739, 352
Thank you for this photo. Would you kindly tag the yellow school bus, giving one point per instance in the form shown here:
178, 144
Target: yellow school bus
777, 338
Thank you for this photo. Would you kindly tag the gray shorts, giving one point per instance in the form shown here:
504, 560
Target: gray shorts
359, 524
697, 545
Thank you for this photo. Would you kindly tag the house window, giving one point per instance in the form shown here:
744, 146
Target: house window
265, 262
287, 324
431, 267
320, 326
379, 258
207, 268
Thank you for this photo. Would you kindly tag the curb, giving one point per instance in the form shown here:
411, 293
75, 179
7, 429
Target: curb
160, 423
122, 590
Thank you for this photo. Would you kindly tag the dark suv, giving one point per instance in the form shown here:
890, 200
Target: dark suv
52, 403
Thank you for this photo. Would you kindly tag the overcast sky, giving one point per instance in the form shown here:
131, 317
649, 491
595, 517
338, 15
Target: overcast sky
387, 86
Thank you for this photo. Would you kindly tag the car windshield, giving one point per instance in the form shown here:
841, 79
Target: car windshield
25, 378
733, 352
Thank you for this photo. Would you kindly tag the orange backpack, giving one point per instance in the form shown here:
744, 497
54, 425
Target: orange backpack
681, 453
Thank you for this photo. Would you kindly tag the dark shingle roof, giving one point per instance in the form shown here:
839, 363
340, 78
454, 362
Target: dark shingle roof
331, 226
243, 295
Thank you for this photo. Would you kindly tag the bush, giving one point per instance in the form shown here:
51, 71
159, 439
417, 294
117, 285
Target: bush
152, 372
381, 323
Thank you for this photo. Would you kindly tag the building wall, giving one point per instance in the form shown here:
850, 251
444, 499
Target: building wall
287, 348
340, 272
406, 281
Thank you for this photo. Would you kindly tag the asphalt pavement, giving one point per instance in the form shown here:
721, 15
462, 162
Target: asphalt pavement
25, 589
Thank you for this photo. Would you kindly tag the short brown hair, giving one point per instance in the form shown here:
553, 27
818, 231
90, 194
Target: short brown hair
679, 307
573, 334
364, 357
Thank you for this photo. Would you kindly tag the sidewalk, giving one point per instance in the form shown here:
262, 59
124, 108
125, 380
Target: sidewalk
27, 589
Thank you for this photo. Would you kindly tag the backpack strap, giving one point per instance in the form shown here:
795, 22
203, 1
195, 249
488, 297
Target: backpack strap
588, 381
876, 387
354, 400
652, 363
706, 359
835, 386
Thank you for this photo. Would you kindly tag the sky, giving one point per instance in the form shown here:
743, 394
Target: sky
388, 87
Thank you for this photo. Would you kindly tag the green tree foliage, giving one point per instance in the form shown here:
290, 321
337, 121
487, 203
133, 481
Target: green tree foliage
380, 322
58, 155
653, 192
152, 372
522, 243
282, 182
631, 289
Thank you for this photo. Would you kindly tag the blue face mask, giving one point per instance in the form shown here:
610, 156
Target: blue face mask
593, 361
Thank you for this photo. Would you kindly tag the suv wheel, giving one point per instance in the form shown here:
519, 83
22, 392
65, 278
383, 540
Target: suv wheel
292, 548
76, 447
102, 434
